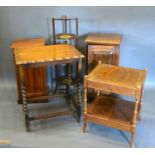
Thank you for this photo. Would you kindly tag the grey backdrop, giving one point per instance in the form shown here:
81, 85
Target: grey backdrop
136, 24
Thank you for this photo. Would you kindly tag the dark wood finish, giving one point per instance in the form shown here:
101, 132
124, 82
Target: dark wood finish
35, 79
34, 99
66, 22
105, 54
106, 107
103, 47
48, 116
68, 36
113, 111
53, 54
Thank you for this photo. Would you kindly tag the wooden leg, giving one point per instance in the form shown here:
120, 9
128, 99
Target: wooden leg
139, 115
25, 108
69, 79
79, 91
84, 124
135, 114
132, 139
18, 82
140, 105
86, 61
56, 80
85, 104
79, 103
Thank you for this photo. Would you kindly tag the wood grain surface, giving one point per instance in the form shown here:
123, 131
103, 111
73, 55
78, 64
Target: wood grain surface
46, 53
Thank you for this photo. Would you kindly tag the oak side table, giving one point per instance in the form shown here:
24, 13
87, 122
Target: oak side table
50, 55
35, 86
111, 110
102, 47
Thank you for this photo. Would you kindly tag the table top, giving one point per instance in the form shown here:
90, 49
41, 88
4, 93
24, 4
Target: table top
46, 54
117, 76
25, 43
101, 38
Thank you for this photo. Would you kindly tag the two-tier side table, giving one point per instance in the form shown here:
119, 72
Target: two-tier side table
111, 110
50, 55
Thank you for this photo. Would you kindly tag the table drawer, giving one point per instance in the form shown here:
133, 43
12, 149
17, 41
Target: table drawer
110, 89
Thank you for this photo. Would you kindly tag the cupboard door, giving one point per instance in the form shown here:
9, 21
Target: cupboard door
102, 53
35, 80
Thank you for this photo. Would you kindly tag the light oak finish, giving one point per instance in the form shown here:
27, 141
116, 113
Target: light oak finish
49, 55
108, 109
26, 43
107, 39
46, 54
111, 111
35, 78
102, 47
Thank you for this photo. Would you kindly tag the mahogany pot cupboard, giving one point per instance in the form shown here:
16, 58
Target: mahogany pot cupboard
102, 47
35, 78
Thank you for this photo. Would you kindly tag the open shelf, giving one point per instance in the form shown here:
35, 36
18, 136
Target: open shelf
111, 111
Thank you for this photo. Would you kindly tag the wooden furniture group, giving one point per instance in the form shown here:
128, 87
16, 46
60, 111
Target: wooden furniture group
110, 109
31, 57
49, 55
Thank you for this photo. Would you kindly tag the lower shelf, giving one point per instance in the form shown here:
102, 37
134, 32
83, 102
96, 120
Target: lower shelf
111, 111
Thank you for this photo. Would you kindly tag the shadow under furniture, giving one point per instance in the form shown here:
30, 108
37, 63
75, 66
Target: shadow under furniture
111, 110
50, 55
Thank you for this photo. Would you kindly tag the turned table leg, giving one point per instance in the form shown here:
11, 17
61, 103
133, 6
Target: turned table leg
134, 119
132, 139
57, 72
140, 105
79, 102
79, 90
69, 78
25, 106
85, 104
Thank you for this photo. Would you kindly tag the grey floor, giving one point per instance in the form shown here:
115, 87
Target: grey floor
65, 131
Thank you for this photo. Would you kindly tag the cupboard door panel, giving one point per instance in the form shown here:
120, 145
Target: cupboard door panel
35, 82
101, 53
